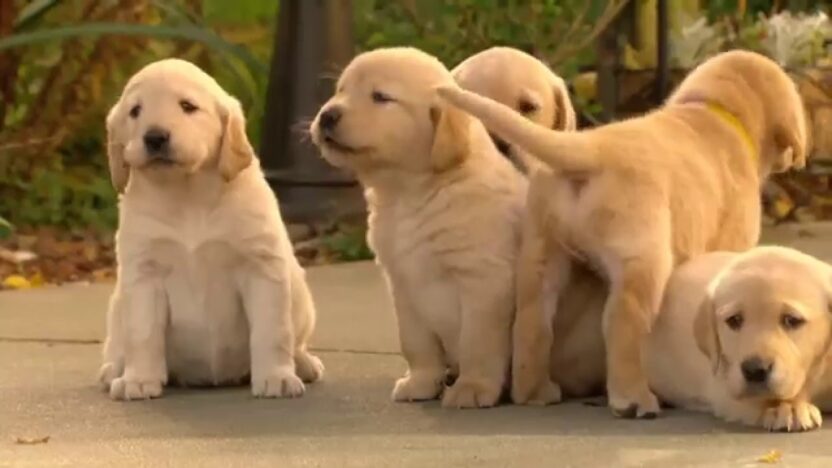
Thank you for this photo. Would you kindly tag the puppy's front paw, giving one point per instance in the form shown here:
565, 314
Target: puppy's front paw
279, 383
125, 389
640, 405
792, 416
418, 387
543, 393
466, 393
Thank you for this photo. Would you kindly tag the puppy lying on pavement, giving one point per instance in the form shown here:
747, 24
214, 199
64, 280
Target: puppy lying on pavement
747, 336
638, 197
522, 82
444, 218
209, 291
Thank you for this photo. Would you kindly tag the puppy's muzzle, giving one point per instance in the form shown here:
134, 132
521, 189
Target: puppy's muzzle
157, 143
329, 119
756, 371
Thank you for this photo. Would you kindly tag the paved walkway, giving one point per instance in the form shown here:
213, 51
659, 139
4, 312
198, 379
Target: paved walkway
49, 355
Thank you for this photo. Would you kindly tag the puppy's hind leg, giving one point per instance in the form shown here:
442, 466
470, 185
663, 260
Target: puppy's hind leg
636, 289
532, 330
307, 366
112, 366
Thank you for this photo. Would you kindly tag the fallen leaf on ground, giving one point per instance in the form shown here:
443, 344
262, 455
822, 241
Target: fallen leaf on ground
16, 282
31, 440
772, 457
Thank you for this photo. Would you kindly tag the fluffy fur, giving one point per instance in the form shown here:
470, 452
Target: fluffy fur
638, 197
769, 307
208, 289
444, 215
522, 82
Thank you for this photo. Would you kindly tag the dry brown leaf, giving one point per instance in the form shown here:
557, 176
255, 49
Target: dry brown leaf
31, 440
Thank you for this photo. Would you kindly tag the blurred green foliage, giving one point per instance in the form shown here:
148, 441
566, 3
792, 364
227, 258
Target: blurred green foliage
55, 91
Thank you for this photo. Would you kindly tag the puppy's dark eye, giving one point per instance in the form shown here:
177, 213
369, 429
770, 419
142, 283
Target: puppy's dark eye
735, 321
135, 111
188, 106
526, 107
381, 98
792, 322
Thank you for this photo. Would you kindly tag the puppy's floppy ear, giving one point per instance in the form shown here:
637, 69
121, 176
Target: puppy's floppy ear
450, 136
704, 331
119, 170
565, 118
236, 152
792, 139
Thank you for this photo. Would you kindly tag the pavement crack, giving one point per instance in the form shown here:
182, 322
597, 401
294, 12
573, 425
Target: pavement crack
71, 341
354, 351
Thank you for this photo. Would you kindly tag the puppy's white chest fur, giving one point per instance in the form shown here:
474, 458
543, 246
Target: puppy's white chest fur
200, 260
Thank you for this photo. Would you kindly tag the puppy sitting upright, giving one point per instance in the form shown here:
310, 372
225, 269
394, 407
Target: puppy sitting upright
208, 290
635, 198
522, 82
445, 208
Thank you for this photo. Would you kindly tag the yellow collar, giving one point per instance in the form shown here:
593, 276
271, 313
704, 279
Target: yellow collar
734, 123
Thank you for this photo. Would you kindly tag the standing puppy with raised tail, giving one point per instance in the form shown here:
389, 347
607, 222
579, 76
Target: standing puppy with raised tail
635, 198
444, 218
209, 291
522, 82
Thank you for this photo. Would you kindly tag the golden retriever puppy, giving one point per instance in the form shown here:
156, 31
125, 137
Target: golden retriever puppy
208, 291
444, 217
522, 82
635, 198
747, 336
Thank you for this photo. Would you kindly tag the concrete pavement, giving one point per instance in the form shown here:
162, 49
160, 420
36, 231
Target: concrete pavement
49, 355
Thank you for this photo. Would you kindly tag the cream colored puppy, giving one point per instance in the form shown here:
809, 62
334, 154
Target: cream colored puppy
635, 198
208, 289
747, 337
522, 82
444, 216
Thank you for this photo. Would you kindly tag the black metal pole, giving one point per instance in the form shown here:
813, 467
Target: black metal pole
662, 45
313, 37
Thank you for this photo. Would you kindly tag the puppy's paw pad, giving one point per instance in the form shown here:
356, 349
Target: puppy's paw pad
545, 393
792, 417
643, 406
309, 368
415, 388
281, 383
108, 372
471, 394
123, 389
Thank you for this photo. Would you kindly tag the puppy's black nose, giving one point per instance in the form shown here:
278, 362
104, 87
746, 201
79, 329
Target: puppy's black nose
329, 118
156, 140
755, 370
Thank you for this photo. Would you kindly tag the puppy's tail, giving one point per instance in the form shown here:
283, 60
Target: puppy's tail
562, 151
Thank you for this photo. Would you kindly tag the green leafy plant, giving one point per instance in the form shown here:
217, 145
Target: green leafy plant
6, 228
348, 244
64, 64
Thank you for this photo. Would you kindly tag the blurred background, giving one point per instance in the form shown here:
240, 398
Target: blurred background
63, 63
